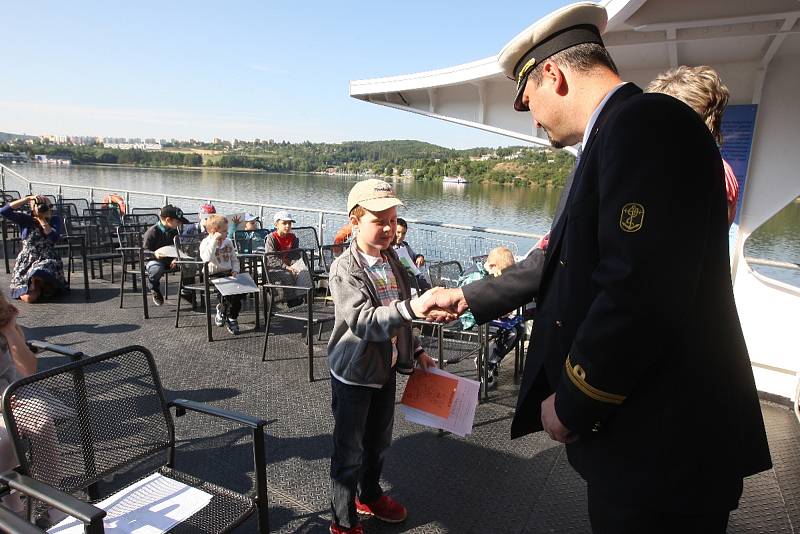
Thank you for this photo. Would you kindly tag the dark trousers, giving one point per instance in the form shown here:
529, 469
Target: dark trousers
363, 419
232, 305
608, 516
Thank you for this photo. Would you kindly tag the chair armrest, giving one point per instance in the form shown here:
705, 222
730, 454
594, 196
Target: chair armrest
58, 349
304, 288
11, 523
189, 262
181, 405
134, 249
249, 255
82, 511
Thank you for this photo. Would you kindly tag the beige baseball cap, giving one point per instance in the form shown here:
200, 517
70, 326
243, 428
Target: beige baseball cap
372, 194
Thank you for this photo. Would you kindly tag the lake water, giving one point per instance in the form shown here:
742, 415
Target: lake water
512, 208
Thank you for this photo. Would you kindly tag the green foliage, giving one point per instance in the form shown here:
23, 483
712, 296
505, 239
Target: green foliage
521, 166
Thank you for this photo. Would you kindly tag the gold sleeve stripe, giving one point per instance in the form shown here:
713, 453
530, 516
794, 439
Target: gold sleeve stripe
578, 377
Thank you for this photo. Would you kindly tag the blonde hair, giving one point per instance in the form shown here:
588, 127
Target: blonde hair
698, 87
501, 257
215, 221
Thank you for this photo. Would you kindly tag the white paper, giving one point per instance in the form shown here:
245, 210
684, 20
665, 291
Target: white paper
462, 412
407, 260
235, 285
166, 252
151, 506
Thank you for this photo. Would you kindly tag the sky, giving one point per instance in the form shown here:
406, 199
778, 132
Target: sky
270, 70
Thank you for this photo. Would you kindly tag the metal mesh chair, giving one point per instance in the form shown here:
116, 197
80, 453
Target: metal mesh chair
145, 219
133, 259
79, 424
445, 273
284, 298
99, 241
308, 240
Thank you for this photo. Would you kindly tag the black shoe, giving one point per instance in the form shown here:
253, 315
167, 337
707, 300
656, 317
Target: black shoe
158, 298
294, 302
188, 296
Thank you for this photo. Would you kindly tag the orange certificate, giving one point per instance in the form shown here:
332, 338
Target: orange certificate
431, 393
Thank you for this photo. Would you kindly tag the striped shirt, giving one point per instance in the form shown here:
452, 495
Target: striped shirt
382, 277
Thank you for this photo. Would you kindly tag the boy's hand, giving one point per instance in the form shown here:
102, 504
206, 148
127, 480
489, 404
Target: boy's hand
426, 362
173, 264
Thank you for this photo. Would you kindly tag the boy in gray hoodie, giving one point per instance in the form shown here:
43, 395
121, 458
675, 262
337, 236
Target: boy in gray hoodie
371, 340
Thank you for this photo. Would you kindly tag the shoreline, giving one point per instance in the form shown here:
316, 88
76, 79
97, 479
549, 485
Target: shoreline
244, 170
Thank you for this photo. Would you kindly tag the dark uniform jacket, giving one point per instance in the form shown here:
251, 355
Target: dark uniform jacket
636, 330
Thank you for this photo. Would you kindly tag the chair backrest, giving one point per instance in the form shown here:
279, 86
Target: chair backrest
129, 237
308, 240
80, 203
66, 209
14, 195
111, 215
188, 248
445, 273
248, 242
79, 423
156, 211
147, 219
276, 272
328, 253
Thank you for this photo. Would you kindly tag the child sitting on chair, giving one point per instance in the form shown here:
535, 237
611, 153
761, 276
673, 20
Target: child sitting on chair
505, 338
222, 260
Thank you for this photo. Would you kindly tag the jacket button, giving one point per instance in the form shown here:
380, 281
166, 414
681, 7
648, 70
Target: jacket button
559, 323
562, 262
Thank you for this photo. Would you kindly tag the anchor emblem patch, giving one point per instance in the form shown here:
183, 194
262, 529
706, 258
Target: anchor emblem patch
632, 217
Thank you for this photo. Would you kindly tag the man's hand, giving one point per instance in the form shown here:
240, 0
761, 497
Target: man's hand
425, 306
425, 361
449, 300
552, 424
173, 264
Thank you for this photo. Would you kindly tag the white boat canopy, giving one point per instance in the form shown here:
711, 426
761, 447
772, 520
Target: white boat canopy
755, 46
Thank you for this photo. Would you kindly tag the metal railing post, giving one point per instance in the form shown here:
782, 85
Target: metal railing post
3, 177
320, 226
127, 201
91, 194
166, 200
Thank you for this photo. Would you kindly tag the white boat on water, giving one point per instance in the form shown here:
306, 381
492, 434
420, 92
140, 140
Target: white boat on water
454, 180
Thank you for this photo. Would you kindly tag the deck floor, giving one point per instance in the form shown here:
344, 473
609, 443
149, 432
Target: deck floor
485, 483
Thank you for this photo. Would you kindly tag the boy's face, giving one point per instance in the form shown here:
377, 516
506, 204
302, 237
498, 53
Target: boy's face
283, 227
250, 226
375, 230
171, 222
400, 234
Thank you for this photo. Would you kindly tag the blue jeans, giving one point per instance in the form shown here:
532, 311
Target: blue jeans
363, 420
155, 270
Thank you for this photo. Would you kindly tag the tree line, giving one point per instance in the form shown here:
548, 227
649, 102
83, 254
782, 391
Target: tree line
523, 166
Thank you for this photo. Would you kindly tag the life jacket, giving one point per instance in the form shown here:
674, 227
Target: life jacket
116, 200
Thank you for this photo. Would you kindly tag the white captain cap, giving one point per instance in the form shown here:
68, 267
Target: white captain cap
564, 28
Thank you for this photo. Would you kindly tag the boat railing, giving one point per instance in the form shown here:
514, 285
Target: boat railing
431, 238
436, 240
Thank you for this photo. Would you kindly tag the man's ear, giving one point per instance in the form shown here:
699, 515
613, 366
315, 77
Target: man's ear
354, 220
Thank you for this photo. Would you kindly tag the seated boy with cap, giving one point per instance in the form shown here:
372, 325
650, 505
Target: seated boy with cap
289, 269
160, 235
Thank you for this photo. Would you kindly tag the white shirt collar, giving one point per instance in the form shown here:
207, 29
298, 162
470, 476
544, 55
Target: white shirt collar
596, 113
368, 260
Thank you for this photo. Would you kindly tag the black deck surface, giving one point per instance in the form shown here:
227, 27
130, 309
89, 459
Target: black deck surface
484, 483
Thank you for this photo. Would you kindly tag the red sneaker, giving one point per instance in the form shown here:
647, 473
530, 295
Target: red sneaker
336, 529
385, 509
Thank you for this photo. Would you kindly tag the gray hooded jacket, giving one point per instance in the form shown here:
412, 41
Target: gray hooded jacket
360, 346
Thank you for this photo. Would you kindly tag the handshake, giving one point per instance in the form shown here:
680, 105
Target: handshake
440, 305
